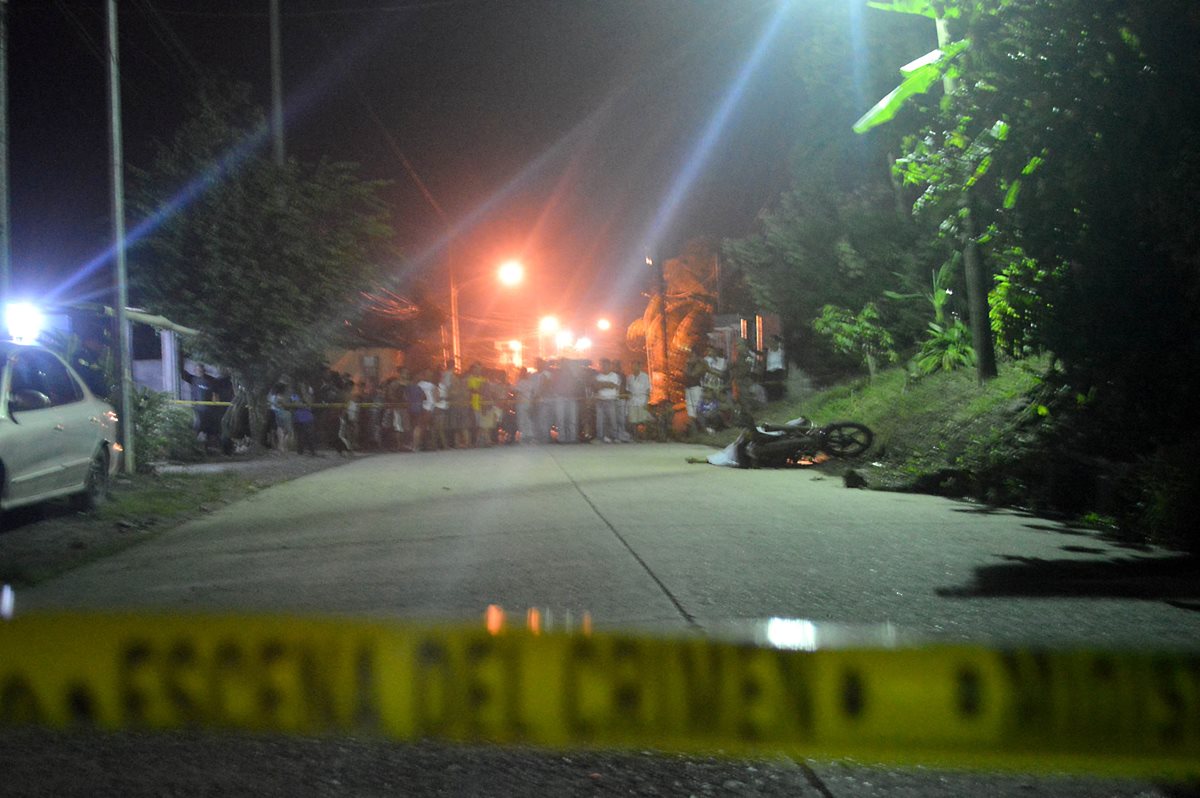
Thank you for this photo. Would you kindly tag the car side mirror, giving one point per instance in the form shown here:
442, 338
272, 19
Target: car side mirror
27, 399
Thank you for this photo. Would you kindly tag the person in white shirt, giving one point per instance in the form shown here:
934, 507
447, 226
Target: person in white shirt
775, 379
607, 386
638, 385
423, 422
622, 404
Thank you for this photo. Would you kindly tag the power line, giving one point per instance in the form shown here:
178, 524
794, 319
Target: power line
174, 45
387, 134
96, 48
92, 45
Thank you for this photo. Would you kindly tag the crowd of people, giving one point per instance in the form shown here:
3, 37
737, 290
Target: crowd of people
566, 401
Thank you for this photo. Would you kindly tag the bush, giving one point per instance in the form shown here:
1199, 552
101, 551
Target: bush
163, 430
947, 348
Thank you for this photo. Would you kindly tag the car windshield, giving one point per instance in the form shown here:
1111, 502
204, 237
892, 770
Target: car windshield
772, 397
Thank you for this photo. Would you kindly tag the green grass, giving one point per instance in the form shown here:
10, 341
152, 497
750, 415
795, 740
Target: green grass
946, 420
139, 508
167, 497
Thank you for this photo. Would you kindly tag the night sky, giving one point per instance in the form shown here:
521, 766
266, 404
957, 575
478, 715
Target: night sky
558, 132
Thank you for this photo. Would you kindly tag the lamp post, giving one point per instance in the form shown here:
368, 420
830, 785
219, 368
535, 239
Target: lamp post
510, 273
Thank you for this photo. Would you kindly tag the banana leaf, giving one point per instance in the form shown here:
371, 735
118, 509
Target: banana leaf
923, 8
919, 76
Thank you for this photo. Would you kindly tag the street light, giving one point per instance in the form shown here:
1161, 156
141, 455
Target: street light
604, 325
510, 274
563, 339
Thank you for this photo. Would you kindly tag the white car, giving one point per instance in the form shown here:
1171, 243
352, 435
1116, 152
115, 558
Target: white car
56, 438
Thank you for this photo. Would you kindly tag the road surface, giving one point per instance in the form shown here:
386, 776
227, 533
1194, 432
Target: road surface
637, 538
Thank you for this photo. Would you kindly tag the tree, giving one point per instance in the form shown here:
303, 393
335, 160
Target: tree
409, 321
857, 334
919, 76
836, 236
267, 261
1075, 134
811, 253
681, 309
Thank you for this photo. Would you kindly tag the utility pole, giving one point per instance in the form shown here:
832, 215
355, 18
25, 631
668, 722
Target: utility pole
660, 288
276, 85
5, 216
124, 347
455, 335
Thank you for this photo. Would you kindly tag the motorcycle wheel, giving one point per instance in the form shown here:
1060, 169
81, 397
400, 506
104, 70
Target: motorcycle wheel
847, 439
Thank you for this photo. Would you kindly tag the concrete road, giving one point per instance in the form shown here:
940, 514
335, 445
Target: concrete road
639, 538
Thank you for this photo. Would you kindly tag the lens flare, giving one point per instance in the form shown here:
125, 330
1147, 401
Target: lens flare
23, 321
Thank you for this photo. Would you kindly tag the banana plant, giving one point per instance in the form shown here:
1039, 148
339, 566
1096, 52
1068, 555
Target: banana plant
920, 74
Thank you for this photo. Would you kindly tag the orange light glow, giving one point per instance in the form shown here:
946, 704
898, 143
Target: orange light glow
564, 339
548, 324
514, 345
583, 344
604, 324
533, 619
511, 272
494, 618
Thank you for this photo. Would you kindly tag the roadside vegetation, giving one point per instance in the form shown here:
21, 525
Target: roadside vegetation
45, 540
1010, 230
41, 542
998, 443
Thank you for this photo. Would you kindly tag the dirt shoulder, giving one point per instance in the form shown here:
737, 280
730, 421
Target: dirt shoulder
37, 543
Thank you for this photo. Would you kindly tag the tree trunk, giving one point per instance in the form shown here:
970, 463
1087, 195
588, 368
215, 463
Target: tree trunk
977, 303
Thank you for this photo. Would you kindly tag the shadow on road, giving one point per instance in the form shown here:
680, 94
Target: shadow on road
53, 510
1173, 579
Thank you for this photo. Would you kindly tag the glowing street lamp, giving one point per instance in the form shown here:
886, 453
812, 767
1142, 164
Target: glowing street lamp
563, 339
515, 347
604, 325
511, 273
583, 344
548, 324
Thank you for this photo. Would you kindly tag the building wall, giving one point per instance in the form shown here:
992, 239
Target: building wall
369, 364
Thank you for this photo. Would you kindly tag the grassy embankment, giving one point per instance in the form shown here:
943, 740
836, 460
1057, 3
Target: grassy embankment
936, 434
46, 540
946, 434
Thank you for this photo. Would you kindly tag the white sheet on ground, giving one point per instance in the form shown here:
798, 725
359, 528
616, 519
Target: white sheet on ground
725, 457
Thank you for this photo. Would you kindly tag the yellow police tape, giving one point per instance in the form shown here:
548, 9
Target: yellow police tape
1128, 714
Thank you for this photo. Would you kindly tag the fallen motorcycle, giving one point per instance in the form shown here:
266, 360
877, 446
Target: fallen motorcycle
798, 442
